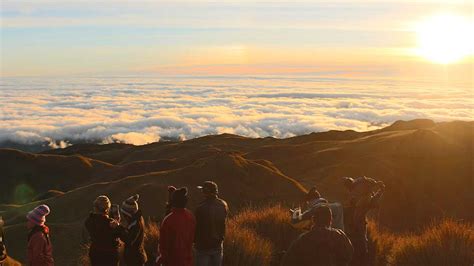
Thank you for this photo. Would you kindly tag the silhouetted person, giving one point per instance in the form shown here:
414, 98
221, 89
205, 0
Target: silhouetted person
365, 194
40, 249
3, 249
134, 239
169, 205
177, 233
104, 233
322, 245
211, 218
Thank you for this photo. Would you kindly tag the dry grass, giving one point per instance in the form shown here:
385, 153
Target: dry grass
255, 237
444, 243
11, 262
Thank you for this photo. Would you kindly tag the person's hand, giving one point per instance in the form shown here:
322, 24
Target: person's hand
114, 224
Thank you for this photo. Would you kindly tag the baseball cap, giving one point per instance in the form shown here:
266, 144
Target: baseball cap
209, 187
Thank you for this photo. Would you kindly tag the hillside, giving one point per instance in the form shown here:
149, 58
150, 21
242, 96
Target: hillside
427, 167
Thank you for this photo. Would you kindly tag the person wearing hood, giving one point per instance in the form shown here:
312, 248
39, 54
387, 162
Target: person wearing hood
177, 233
134, 253
40, 249
104, 233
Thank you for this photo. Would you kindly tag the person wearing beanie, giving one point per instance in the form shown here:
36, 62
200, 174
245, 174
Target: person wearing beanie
40, 249
134, 239
211, 219
177, 233
104, 233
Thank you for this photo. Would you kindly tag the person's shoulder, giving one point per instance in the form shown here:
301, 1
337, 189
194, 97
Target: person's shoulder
338, 232
38, 236
222, 202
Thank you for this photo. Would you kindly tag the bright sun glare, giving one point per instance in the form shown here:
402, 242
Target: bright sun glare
444, 38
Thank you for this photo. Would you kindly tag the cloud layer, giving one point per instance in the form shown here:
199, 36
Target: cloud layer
143, 110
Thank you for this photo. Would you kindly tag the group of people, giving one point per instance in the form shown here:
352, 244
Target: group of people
338, 235
196, 238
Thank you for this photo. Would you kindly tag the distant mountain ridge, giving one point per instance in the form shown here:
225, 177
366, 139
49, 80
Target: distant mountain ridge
428, 169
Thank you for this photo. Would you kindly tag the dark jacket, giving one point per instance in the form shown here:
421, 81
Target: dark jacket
40, 249
134, 253
321, 246
104, 248
211, 216
176, 238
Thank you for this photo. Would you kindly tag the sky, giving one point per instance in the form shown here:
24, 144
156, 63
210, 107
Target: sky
360, 38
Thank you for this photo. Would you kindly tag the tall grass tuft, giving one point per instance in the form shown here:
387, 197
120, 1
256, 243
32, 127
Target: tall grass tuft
243, 246
447, 243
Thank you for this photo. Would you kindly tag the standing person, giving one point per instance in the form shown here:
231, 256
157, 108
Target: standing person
323, 245
365, 195
40, 249
211, 218
3, 249
177, 233
134, 253
104, 233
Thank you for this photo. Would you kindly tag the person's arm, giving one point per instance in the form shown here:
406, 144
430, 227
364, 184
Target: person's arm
345, 249
163, 244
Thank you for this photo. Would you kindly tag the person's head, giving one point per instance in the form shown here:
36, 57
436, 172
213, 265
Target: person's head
312, 194
361, 187
171, 190
102, 205
322, 216
37, 217
209, 189
179, 199
130, 206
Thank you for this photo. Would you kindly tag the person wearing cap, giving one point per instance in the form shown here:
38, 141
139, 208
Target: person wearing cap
211, 218
134, 239
177, 233
365, 194
323, 245
40, 249
104, 233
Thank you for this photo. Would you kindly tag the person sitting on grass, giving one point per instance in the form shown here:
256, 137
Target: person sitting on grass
104, 233
40, 249
134, 253
177, 233
323, 245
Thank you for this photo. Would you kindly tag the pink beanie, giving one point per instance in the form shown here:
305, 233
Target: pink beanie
38, 214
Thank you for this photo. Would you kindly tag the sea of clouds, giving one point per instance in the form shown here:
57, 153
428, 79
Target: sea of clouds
140, 110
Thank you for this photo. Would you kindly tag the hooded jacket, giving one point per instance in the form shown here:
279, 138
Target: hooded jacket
40, 249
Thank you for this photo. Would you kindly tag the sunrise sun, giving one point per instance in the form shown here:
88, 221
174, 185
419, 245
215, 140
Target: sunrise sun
444, 38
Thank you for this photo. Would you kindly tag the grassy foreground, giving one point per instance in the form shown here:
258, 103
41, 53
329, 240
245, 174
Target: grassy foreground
258, 237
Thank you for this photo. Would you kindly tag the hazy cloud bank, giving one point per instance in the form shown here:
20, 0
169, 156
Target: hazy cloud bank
144, 110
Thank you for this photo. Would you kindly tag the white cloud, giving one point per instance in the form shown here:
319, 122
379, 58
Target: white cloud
143, 110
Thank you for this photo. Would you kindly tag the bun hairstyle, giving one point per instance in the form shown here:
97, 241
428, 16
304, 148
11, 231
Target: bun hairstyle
179, 198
